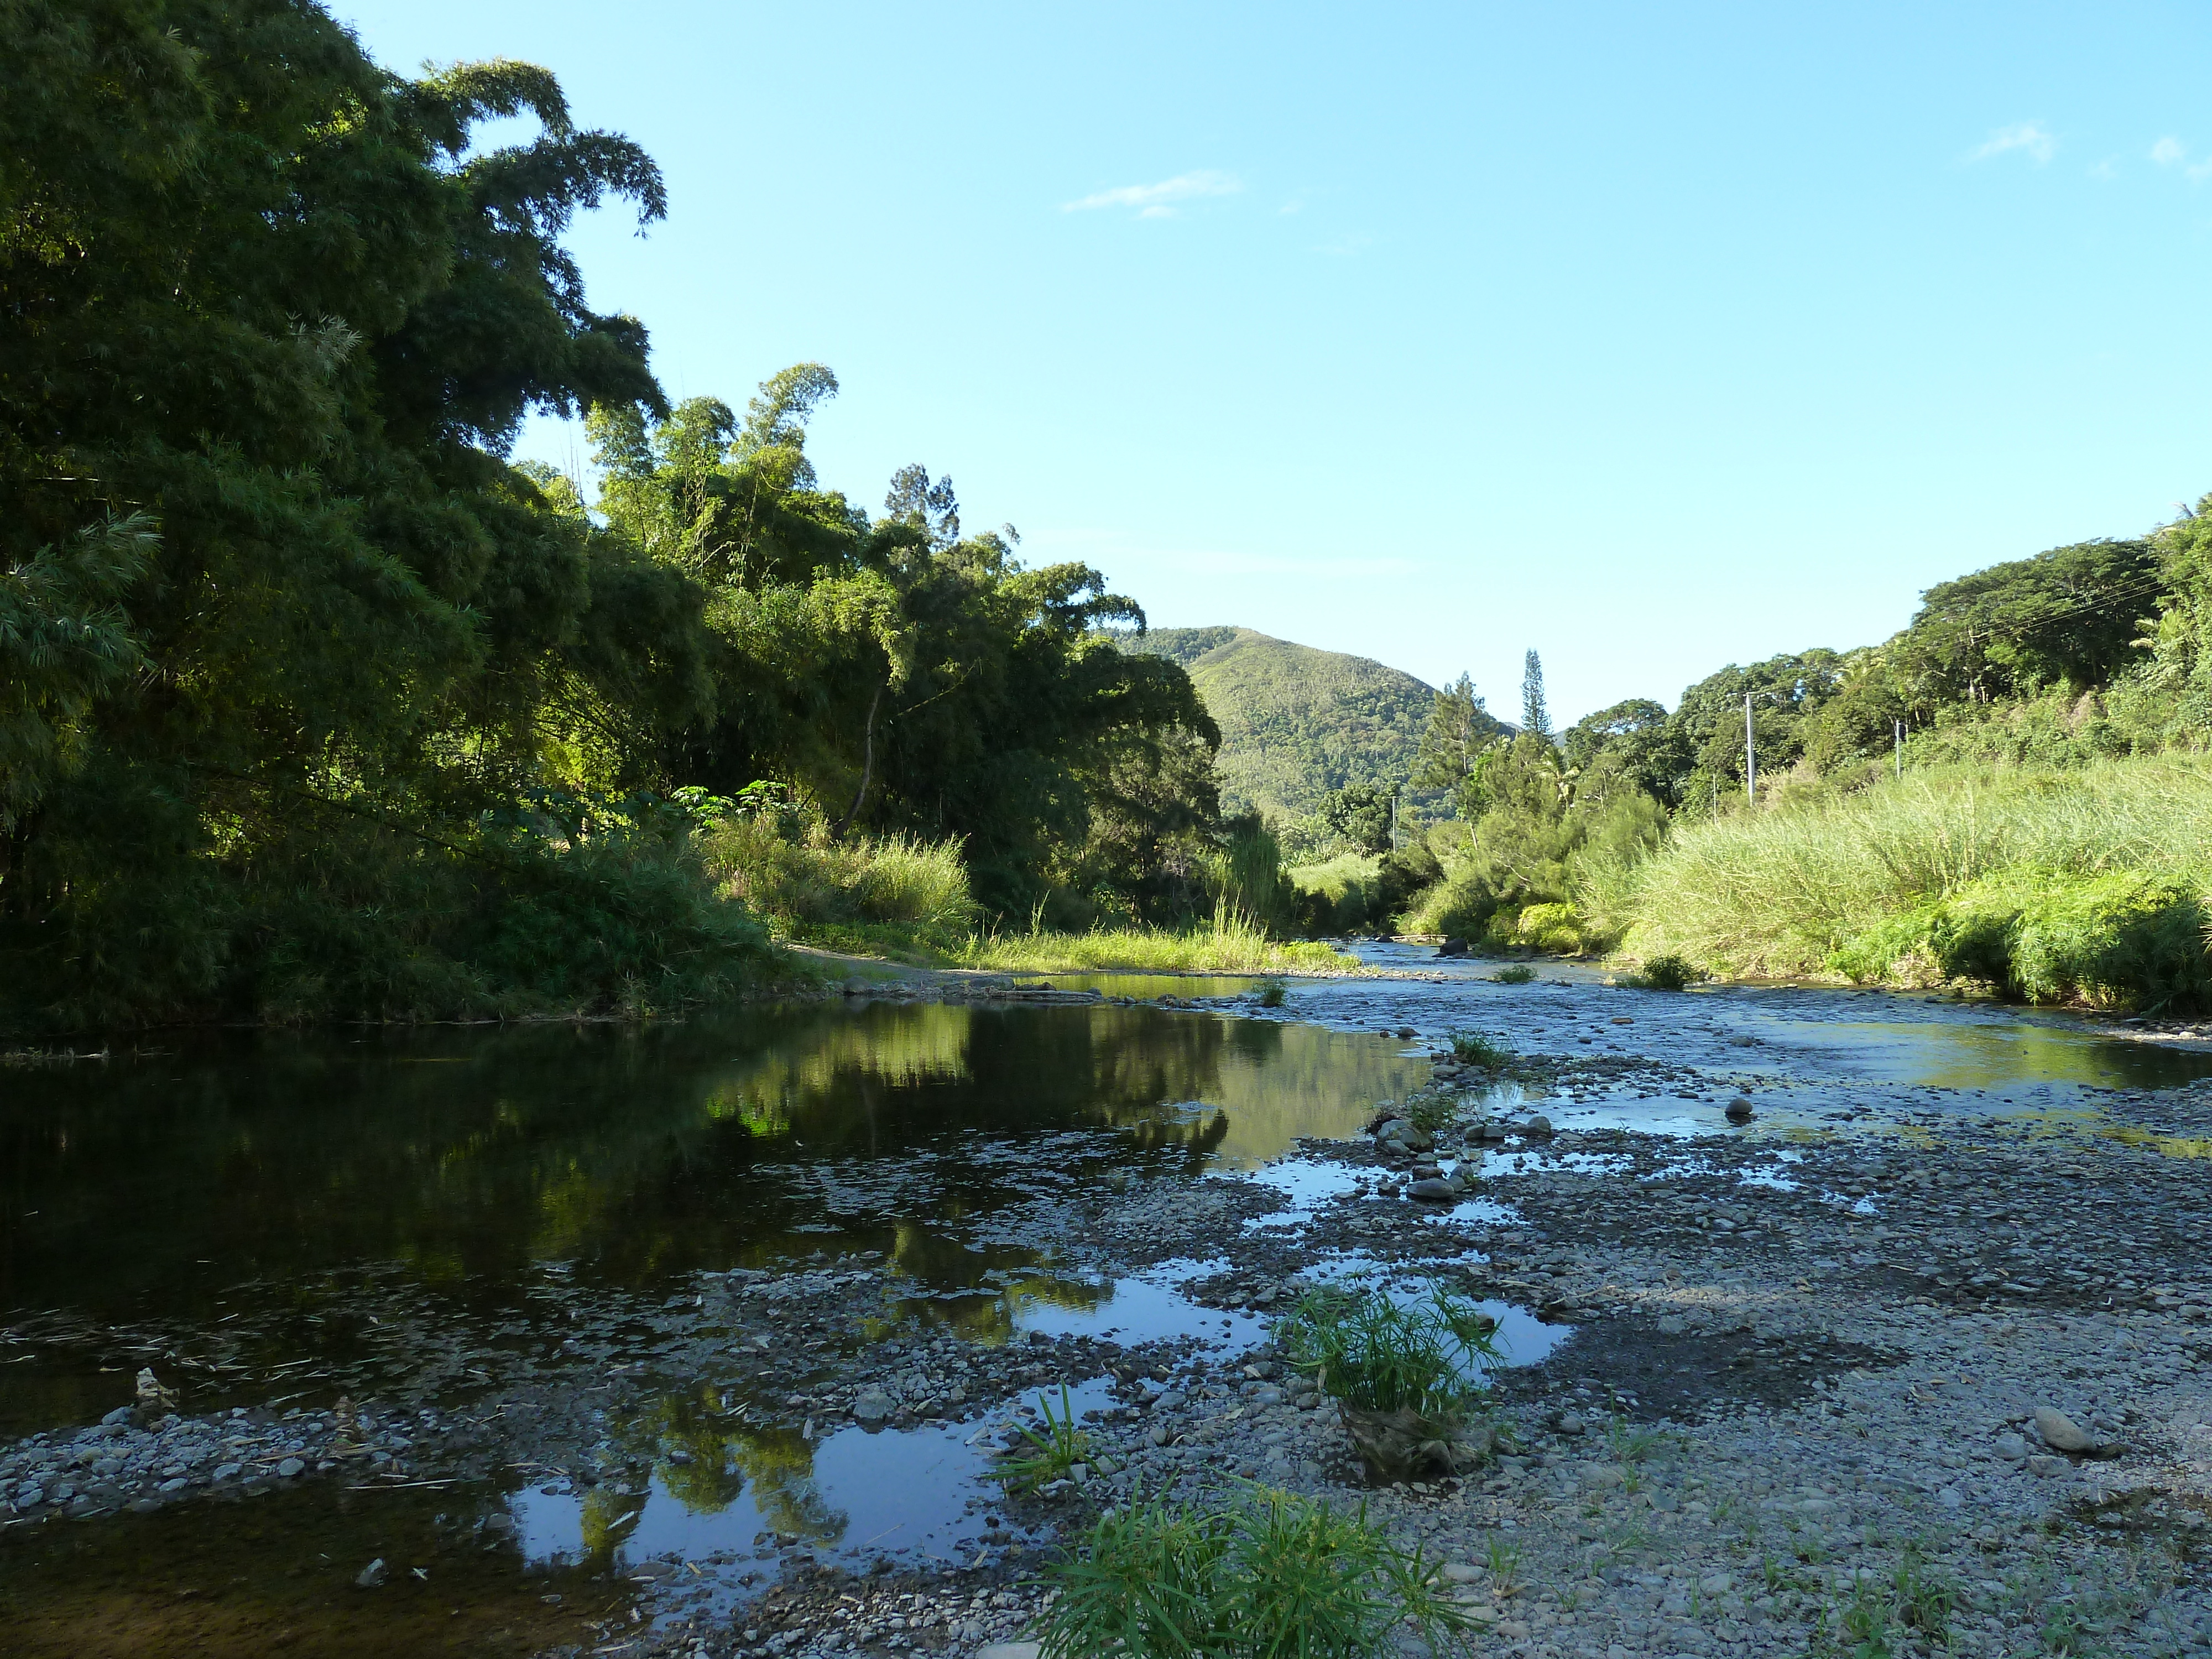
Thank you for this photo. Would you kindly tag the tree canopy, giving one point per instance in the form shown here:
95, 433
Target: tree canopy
312, 701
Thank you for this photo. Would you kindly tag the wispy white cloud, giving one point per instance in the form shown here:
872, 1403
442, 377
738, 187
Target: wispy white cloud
2032, 137
1157, 201
2107, 168
2171, 152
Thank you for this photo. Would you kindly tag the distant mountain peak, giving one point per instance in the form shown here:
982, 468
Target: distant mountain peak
1296, 721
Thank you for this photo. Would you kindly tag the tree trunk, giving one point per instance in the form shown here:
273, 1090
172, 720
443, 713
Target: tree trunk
867, 767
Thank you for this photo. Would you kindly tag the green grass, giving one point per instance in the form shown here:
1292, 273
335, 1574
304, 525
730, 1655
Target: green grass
845, 894
1908, 1612
1370, 1353
1473, 1048
1226, 946
1049, 1456
908, 898
1517, 973
1266, 1575
2088, 884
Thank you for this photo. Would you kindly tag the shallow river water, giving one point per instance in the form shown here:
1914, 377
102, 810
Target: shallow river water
269, 1220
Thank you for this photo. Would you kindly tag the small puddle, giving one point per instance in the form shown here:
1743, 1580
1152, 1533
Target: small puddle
919, 1495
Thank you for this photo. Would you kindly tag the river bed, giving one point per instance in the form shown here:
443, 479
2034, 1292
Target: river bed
634, 1324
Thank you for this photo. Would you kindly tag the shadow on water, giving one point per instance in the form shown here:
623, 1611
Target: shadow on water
278, 1184
268, 1217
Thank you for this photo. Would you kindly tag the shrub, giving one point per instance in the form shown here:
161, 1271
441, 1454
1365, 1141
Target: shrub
1552, 928
1430, 1109
1517, 973
1272, 994
2124, 938
1268, 1575
1664, 973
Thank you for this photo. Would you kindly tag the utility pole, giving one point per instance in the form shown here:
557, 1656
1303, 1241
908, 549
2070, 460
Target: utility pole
1900, 748
1750, 758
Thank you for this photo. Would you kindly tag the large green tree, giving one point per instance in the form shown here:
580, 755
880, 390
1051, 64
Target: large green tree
903, 675
281, 624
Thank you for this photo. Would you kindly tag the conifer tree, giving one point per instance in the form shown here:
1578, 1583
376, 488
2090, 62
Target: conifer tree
1535, 717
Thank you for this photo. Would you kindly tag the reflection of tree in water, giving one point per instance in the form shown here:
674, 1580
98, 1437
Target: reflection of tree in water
636, 1154
781, 1465
1193, 1136
982, 1288
703, 1460
606, 1517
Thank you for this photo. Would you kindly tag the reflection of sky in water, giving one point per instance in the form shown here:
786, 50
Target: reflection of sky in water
1150, 1308
919, 1492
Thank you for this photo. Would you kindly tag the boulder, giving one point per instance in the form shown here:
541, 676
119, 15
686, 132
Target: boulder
1738, 1110
1435, 1190
1404, 1445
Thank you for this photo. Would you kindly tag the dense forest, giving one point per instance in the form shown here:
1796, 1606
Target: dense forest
314, 703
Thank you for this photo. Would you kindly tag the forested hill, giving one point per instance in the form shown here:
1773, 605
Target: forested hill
1296, 722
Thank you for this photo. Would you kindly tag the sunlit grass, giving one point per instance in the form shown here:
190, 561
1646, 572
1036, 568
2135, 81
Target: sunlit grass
2076, 882
1228, 945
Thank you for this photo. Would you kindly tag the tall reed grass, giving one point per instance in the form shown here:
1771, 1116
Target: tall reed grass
819, 889
2052, 883
1232, 943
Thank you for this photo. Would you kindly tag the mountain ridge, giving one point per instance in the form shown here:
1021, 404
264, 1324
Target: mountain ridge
1297, 721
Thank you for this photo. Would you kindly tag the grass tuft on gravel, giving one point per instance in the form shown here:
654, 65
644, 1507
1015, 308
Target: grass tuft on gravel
1268, 1574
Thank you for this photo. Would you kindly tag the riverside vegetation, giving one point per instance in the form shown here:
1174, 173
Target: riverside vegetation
314, 703
2011, 793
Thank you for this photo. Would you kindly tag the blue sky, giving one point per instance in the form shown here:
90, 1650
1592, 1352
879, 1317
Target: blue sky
1655, 338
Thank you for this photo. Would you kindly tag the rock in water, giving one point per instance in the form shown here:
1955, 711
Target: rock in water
1435, 1190
1738, 1110
1538, 1127
872, 1408
2060, 1432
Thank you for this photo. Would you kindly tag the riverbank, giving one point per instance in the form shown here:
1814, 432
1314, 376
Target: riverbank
1760, 1370
2086, 885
